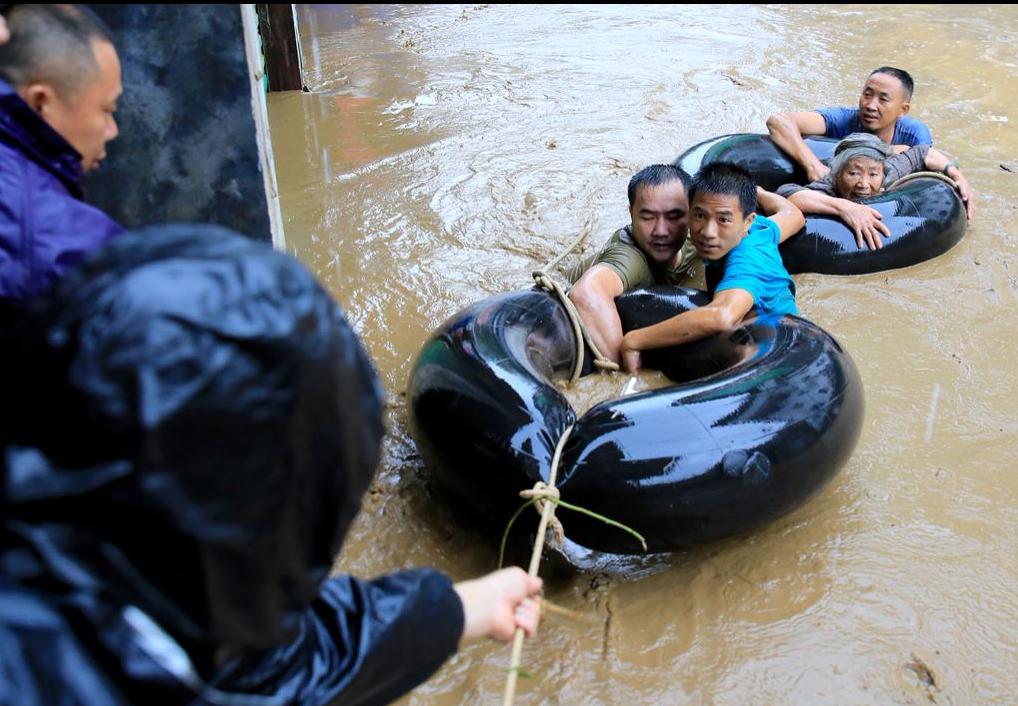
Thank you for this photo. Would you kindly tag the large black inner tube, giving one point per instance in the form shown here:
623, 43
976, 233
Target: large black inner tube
763, 417
484, 411
926, 217
763, 159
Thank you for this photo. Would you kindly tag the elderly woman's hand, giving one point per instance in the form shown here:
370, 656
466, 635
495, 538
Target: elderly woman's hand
865, 222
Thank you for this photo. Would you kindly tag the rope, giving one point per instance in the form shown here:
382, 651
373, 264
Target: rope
574, 615
547, 510
585, 231
544, 279
545, 496
580, 332
922, 175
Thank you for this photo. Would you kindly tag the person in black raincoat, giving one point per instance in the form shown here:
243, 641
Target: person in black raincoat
188, 425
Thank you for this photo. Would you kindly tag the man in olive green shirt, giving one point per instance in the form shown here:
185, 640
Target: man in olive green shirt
652, 250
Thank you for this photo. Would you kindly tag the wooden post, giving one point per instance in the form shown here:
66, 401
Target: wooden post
260, 110
279, 45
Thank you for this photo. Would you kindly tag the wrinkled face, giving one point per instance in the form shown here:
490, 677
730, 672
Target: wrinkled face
716, 224
85, 119
859, 178
882, 102
660, 223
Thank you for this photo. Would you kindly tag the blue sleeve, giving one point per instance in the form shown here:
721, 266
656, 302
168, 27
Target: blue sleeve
746, 269
361, 642
14, 269
912, 132
840, 122
44, 231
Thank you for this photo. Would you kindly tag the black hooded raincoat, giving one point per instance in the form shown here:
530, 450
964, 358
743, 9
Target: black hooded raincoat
188, 425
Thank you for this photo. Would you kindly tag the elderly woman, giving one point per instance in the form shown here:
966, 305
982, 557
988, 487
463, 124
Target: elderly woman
863, 166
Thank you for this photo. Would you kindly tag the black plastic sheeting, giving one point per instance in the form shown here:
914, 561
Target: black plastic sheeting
762, 418
188, 425
188, 143
926, 217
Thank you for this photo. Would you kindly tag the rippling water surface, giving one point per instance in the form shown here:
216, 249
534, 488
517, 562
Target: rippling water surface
444, 152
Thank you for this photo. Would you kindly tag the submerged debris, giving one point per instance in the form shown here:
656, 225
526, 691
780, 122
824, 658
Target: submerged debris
926, 676
733, 79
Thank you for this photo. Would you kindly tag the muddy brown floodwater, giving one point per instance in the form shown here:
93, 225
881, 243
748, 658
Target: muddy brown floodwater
445, 151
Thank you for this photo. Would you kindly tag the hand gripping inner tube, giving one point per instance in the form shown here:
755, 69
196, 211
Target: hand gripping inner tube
759, 419
926, 216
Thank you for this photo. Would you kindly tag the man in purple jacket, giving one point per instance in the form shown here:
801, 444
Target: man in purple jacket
59, 85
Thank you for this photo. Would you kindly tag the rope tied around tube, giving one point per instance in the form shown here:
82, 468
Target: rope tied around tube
580, 332
544, 280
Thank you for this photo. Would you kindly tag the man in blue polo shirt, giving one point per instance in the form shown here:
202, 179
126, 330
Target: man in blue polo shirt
883, 111
743, 266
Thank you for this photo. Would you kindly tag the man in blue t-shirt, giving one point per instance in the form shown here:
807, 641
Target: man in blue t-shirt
883, 111
744, 270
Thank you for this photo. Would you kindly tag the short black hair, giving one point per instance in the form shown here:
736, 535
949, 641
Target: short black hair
655, 175
726, 179
901, 75
51, 44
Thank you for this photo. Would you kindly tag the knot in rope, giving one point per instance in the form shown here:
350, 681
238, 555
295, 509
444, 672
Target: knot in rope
541, 490
543, 280
546, 494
